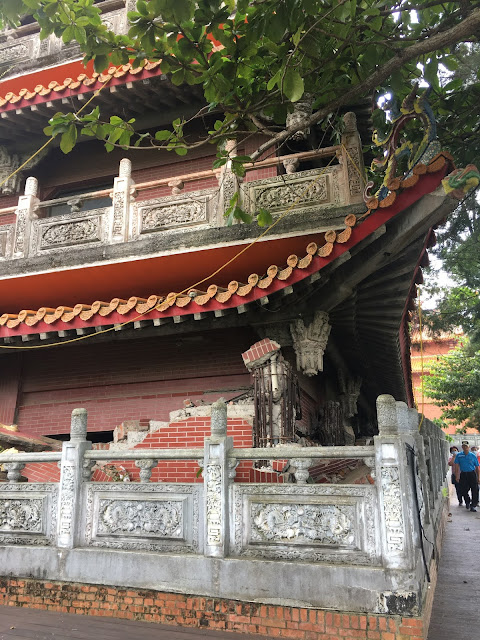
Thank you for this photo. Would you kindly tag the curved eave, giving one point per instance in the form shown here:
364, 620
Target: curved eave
276, 278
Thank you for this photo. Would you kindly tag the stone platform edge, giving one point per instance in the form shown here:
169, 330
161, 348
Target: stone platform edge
208, 613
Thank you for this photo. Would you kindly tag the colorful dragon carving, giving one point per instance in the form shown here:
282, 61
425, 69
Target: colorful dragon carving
395, 149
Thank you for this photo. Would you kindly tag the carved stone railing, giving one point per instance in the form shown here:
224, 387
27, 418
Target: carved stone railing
190, 525
22, 46
133, 218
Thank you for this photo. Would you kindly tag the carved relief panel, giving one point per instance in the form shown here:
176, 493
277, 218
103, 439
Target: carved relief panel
138, 517
28, 514
314, 523
306, 190
172, 212
50, 234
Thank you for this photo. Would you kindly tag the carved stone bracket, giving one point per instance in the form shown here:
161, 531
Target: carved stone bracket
8, 164
310, 342
146, 467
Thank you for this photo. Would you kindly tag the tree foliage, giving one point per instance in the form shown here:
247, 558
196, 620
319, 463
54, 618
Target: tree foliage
454, 385
255, 59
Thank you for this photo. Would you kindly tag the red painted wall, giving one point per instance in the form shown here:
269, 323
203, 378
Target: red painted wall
129, 380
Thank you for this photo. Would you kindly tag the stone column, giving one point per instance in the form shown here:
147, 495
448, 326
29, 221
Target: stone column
123, 199
397, 511
217, 469
71, 478
25, 215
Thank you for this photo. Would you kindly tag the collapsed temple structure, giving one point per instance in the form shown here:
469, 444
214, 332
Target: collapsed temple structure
318, 487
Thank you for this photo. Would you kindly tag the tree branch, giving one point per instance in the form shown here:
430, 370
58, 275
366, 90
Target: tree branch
469, 26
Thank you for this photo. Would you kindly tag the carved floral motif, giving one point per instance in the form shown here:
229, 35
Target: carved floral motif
184, 213
213, 484
357, 503
281, 197
163, 518
21, 515
392, 508
28, 513
186, 541
77, 232
67, 500
322, 524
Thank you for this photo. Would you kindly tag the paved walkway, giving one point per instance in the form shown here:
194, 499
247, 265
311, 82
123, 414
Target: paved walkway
32, 624
456, 605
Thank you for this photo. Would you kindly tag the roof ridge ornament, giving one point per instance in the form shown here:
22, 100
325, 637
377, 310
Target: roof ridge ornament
396, 149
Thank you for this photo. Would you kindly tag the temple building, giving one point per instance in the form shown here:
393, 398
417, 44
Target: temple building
123, 291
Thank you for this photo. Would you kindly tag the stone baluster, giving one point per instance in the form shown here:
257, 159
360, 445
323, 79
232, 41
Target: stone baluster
301, 466
71, 477
123, 199
146, 467
216, 473
14, 470
394, 486
25, 213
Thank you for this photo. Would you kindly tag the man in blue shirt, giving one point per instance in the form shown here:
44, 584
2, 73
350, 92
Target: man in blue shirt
467, 473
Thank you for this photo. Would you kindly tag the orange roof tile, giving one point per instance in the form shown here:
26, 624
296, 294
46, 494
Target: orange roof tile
81, 84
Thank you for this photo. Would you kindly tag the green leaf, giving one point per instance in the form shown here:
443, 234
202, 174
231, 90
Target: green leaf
242, 215
264, 218
181, 151
163, 135
68, 139
293, 85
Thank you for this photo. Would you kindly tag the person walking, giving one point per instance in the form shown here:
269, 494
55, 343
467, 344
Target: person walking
466, 469
451, 462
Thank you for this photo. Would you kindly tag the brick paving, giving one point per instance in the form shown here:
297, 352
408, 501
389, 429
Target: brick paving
456, 604
32, 624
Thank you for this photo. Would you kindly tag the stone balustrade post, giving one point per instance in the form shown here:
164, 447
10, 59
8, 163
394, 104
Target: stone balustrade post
351, 158
72, 474
398, 517
228, 184
217, 472
26, 213
123, 200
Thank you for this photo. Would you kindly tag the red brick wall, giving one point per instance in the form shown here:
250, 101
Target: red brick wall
129, 380
186, 433
272, 621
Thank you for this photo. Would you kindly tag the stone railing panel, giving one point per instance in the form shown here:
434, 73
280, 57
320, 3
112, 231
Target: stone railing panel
173, 212
28, 514
153, 517
7, 232
70, 230
305, 190
317, 523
